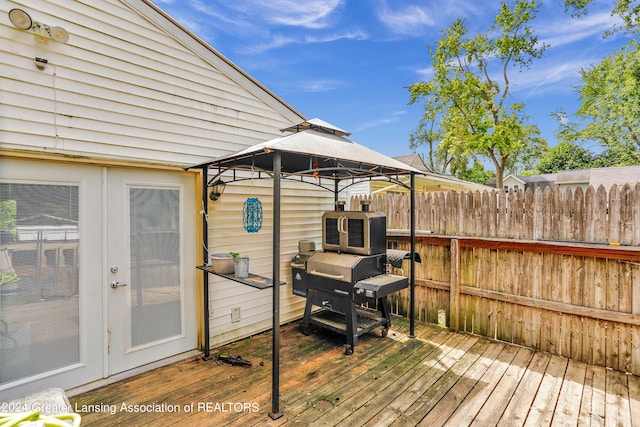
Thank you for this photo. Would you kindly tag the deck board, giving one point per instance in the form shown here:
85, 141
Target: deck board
496, 404
437, 378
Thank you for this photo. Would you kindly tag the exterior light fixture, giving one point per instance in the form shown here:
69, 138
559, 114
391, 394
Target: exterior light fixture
42, 33
217, 188
20, 19
41, 63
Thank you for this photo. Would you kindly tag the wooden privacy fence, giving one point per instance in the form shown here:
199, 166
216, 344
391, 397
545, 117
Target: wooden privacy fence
555, 271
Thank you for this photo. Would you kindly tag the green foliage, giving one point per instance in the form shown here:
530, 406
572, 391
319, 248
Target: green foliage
476, 173
612, 158
609, 113
468, 94
565, 156
428, 134
627, 10
8, 210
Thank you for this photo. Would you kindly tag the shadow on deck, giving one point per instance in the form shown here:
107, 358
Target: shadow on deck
438, 378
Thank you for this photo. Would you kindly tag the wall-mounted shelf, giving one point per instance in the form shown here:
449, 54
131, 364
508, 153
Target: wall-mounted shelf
254, 280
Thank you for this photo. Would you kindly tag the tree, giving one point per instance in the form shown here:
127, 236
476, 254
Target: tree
565, 156
476, 173
471, 86
446, 153
627, 10
428, 134
609, 112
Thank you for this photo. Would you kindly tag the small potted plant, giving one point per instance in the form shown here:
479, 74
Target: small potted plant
240, 265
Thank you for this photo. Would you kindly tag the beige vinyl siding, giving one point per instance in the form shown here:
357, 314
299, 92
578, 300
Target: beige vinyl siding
302, 206
122, 88
130, 87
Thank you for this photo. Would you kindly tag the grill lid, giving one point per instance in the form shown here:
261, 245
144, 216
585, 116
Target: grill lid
332, 265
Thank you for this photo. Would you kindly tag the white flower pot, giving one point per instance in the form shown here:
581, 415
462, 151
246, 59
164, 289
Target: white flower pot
222, 263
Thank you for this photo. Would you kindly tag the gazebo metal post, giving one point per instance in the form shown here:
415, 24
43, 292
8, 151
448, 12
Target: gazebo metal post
412, 284
275, 342
205, 257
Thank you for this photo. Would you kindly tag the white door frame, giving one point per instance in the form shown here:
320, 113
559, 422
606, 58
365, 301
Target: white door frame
122, 355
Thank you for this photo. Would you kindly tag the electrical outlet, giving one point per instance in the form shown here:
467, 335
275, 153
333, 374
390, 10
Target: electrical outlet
235, 314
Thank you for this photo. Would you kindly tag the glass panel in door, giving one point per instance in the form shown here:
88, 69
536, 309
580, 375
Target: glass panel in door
39, 287
154, 217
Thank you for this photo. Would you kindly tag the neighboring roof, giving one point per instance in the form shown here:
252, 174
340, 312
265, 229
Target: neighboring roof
595, 177
548, 178
545, 177
452, 180
163, 20
317, 149
576, 176
601, 176
513, 178
414, 160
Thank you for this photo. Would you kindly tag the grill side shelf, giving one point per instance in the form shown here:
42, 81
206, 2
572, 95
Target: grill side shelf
380, 286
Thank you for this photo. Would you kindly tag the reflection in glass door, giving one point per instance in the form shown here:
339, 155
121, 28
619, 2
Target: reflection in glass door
39, 285
155, 264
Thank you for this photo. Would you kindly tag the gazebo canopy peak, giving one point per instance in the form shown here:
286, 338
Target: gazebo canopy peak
317, 124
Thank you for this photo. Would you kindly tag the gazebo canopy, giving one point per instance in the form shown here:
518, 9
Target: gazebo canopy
315, 149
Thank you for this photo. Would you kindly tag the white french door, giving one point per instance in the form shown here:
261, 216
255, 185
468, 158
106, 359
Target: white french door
51, 298
150, 277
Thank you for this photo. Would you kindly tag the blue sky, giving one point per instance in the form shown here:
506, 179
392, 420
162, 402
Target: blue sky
349, 62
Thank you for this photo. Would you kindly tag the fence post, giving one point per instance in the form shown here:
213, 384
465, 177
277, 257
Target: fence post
454, 288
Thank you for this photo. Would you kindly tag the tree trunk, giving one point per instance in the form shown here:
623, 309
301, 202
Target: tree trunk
499, 177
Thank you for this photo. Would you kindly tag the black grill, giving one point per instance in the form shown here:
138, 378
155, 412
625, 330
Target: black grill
347, 290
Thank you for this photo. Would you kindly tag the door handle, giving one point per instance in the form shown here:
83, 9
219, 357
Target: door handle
115, 284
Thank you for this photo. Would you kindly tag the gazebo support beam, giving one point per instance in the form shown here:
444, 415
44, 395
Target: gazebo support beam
275, 342
412, 274
205, 258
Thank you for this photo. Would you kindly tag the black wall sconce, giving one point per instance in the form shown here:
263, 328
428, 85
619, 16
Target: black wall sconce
217, 188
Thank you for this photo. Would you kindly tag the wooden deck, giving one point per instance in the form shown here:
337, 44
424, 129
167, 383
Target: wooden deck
438, 378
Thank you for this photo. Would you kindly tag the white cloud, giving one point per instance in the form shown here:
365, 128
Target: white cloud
321, 85
402, 17
307, 14
406, 19
553, 77
278, 40
566, 31
393, 117
273, 42
271, 24
425, 74
220, 19
327, 38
